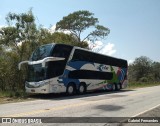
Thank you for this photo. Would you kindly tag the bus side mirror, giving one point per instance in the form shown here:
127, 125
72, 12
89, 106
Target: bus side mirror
19, 65
47, 59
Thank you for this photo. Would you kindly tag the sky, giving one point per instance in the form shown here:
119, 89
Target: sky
134, 24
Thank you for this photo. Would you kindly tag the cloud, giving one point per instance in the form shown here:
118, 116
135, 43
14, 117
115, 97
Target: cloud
95, 46
53, 29
100, 47
108, 49
130, 61
1, 26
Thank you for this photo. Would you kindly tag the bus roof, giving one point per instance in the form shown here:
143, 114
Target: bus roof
76, 47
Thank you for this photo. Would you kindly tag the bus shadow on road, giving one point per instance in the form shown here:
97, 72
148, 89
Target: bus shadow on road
64, 96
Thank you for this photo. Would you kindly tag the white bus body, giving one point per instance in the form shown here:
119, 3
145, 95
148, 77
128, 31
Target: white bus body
57, 68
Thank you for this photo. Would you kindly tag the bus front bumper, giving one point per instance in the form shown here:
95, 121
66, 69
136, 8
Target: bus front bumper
40, 90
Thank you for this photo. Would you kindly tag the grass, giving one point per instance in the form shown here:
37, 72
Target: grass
21, 94
133, 85
10, 96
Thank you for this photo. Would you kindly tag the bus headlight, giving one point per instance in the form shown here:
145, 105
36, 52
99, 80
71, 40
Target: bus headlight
36, 84
27, 84
43, 83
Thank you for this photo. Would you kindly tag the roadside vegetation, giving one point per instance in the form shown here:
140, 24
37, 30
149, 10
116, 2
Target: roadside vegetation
11, 96
21, 36
133, 85
143, 72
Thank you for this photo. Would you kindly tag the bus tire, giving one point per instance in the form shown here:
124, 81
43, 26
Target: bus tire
70, 89
118, 86
82, 88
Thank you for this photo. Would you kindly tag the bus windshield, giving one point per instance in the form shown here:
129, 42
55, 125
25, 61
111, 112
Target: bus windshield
36, 73
52, 68
42, 52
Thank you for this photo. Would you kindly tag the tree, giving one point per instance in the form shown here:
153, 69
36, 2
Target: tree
21, 28
156, 71
20, 36
45, 37
78, 22
140, 69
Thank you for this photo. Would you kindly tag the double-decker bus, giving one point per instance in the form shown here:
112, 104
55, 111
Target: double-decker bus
57, 68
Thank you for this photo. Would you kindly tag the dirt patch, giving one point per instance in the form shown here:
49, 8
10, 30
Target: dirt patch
4, 100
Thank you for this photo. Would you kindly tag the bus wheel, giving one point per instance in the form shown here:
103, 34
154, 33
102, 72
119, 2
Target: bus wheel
70, 89
82, 88
118, 87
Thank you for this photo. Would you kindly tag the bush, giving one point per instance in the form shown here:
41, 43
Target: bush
143, 79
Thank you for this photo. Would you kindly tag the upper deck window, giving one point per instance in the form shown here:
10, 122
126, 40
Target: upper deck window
88, 56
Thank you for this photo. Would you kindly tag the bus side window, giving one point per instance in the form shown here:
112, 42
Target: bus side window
62, 51
76, 56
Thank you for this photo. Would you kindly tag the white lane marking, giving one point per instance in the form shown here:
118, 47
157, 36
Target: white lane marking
146, 110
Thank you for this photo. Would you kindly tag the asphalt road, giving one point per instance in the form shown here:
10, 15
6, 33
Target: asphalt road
125, 103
